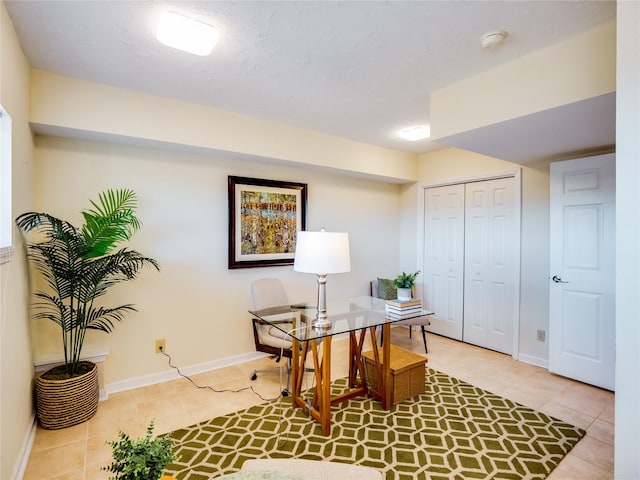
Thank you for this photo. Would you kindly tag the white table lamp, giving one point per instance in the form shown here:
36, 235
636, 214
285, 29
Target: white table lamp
322, 253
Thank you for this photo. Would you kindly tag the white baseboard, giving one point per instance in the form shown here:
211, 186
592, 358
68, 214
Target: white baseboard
25, 450
537, 361
172, 374
45, 362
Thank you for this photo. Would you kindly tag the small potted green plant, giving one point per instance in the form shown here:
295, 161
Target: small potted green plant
142, 458
404, 283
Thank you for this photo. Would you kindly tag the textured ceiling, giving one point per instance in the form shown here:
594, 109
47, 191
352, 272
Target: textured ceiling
357, 69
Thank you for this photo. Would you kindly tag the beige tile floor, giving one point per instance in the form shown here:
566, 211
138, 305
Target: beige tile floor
79, 452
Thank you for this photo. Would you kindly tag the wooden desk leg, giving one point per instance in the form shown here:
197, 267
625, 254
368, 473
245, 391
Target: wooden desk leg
325, 401
357, 377
298, 361
295, 371
386, 365
317, 373
320, 408
352, 363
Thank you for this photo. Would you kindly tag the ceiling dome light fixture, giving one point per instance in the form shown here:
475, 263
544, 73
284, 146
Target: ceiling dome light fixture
419, 132
493, 39
187, 34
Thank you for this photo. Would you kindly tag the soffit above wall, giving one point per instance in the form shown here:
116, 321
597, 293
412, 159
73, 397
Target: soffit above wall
567, 131
116, 115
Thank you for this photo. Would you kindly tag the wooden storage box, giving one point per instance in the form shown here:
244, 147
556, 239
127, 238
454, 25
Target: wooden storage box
407, 374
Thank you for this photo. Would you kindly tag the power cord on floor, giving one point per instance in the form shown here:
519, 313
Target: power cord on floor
281, 430
280, 417
207, 387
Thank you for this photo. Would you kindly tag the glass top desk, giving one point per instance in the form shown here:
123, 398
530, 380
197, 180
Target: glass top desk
354, 316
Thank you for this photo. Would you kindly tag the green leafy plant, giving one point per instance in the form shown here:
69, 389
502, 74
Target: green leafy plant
80, 264
142, 458
405, 280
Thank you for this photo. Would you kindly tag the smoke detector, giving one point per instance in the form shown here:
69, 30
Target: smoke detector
493, 39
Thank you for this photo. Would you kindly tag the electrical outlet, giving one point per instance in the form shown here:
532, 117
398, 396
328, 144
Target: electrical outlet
540, 335
161, 345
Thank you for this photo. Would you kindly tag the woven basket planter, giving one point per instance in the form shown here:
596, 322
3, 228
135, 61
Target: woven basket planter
67, 402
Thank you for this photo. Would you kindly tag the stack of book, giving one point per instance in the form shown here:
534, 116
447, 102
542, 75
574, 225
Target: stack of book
401, 309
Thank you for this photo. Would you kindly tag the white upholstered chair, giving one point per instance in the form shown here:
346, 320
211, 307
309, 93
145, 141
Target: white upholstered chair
267, 293
312, 469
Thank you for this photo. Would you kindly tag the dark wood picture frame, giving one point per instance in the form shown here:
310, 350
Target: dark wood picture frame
264, 218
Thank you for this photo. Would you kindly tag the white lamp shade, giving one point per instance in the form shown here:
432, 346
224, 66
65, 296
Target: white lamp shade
322, 252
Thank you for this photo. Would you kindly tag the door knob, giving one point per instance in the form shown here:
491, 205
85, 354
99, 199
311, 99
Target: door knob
557, 279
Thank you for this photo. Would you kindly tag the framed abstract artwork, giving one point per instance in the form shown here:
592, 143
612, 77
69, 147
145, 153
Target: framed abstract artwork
264, 218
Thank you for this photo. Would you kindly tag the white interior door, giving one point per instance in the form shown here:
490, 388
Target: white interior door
444, 258
582, 270
490, 264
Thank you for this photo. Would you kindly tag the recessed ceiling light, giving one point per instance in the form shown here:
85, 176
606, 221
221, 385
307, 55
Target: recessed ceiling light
418, 132
186, 34
493, 39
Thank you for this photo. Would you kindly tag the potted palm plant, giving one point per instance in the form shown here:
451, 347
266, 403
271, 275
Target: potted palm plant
405, 283
78, 266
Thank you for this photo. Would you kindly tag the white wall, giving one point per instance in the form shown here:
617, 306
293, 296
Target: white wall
196, 303
16, 367
408, 234
627, 429
534, 262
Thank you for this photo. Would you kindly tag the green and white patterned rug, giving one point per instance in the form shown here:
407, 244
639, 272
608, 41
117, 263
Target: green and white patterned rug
452, 431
